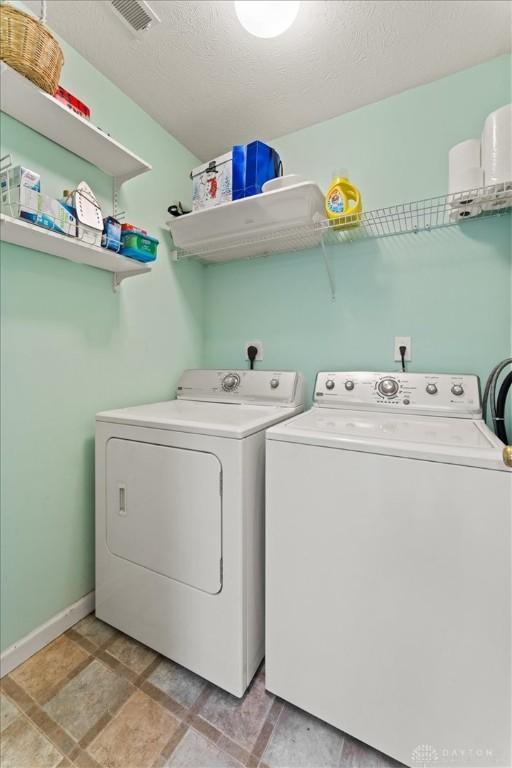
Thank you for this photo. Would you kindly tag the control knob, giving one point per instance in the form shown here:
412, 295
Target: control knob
388, 387
274, 383
431, 389
230, 382
329, 384
349, 385
457, 390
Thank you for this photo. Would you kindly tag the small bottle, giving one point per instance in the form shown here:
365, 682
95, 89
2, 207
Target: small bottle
343, 201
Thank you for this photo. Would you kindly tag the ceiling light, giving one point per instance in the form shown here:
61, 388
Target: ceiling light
266, 18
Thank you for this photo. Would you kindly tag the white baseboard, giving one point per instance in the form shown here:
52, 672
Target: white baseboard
16, 654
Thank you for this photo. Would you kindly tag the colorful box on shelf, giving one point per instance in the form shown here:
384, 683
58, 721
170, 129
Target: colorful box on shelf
42, 210
74, 104
135, 245
237, 174
111, 237
212, 183
132, 228
19, 177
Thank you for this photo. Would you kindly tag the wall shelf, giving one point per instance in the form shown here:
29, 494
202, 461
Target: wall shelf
37, 238
251, 226
25, 102
413, 217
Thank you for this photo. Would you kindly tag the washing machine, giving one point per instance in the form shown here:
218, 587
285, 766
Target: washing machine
180, 519
388, 557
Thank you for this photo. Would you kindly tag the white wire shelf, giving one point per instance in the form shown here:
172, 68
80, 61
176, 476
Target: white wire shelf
19, 232
413, 217
24, 101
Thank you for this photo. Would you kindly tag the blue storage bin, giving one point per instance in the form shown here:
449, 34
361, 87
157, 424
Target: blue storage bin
252, 165
239, 155
262, 163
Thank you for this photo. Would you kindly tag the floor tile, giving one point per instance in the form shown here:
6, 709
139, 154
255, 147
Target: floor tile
96, 691
356, 754
8, 712
176, 681
49, 666
240, 719
196, 751
131, 653
94, 630
301, 741
136, 736
23, 746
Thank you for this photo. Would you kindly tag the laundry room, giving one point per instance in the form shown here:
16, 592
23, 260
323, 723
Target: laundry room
256, 383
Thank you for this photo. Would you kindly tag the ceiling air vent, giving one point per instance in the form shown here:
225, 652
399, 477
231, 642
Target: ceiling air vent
136, 14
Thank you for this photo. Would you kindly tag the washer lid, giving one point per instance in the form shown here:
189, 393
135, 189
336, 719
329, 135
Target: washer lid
222, 419
451, 440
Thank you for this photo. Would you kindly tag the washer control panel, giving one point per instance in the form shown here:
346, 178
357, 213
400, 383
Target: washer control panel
242, 386
438, 394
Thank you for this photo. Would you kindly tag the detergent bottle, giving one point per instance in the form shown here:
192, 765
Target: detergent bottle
343, 199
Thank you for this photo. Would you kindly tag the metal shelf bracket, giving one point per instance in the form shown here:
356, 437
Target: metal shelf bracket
117, 279
117, 183
328, 267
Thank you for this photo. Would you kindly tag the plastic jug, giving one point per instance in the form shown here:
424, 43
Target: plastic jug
343, 199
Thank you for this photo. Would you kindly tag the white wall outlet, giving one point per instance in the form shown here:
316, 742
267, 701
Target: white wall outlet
259, 347
403, 341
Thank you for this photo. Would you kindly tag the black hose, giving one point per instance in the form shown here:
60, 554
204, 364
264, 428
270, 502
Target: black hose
501, 400
485, 398
490, 391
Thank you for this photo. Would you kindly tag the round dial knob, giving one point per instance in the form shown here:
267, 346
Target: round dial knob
274, 383
329, 384
349, 385
457, 390
431, 389
230, 382
388, 387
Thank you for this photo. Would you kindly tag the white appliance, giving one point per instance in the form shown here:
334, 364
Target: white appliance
388, 581
180, 516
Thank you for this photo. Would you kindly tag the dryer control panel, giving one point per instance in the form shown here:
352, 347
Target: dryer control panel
437, 394
242, 386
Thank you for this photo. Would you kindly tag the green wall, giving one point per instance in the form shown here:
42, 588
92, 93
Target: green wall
449, 290
71, 347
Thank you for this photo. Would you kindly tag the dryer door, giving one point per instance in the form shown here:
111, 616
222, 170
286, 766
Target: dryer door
164, 511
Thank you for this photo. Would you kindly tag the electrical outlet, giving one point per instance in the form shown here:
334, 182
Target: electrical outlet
403, 341
259, 347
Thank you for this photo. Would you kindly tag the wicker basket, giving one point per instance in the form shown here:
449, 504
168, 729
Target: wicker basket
27, 46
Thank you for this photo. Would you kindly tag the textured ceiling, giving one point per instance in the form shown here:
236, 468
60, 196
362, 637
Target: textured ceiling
211, 84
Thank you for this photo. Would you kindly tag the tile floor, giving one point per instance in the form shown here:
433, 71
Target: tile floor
95, 697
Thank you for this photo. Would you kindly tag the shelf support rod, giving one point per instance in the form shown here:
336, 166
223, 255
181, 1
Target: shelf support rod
328, 267
117, 279
117, 182
116, 186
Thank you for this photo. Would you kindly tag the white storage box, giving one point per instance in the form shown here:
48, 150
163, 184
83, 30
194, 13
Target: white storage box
212, 183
